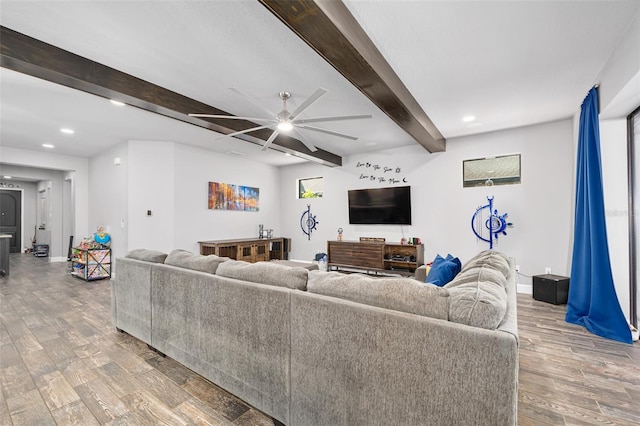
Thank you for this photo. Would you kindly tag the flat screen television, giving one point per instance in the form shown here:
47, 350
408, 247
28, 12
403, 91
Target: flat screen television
380, 206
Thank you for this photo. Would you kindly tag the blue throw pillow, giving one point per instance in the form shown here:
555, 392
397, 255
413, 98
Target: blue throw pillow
443, 270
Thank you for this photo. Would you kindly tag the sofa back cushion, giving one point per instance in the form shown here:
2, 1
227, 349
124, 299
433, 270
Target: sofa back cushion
490, 259
399, 294
270, 273
197, 262
146, 255
477, 293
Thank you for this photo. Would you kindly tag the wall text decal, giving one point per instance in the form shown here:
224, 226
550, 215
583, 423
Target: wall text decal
380, 173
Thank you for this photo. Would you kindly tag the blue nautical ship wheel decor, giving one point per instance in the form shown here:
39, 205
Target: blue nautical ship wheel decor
496, 224
308, 222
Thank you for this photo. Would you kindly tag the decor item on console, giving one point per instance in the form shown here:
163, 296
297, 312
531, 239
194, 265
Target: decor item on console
373, 239
340, 236
224, 196
496, 224
308, 222
286, 340
264, 233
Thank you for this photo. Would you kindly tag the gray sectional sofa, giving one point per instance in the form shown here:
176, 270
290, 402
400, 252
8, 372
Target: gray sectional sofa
320, 348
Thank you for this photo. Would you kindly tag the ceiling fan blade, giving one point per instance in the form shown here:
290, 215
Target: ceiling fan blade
246, 131
230, 117
327, 119
305, 142
328, 132
308, 102
252, 100
275, 133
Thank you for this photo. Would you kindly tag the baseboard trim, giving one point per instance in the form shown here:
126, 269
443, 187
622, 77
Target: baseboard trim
525, 288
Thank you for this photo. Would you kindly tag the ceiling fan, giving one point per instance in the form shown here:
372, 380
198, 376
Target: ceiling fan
285, 121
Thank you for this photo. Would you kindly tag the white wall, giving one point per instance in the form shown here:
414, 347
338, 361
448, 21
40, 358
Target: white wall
193, 222
108, 198
540, 207
173, 184
151, 184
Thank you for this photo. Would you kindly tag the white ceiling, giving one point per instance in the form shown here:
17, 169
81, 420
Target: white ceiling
509, 63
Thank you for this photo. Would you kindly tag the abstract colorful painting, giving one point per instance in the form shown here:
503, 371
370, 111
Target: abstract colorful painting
225, 196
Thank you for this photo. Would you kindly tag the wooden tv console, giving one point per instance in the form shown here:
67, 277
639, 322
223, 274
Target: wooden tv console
248, 249
374, 256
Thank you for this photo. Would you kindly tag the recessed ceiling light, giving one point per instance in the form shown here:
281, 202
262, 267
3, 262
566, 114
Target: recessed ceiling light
118, 103
67, 131
287, 154
7, 177
48, 145
469, 118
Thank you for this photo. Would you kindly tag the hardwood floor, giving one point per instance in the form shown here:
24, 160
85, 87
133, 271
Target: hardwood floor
62, 362
569, 376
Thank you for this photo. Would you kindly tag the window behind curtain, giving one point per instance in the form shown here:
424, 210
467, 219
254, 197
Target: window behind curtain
633, 158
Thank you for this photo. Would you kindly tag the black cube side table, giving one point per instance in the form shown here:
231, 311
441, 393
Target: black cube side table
551, 288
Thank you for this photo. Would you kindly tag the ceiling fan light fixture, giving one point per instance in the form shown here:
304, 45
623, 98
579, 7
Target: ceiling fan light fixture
285, 126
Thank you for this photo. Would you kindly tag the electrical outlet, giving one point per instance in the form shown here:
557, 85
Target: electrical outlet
517, 268
547, 269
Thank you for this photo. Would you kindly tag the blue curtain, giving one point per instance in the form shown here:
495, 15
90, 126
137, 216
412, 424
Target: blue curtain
592, 299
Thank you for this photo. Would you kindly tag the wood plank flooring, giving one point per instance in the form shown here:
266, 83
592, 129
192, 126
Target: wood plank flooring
569, 376
62, 362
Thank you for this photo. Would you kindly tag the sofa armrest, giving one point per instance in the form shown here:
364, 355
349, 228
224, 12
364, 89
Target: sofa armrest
421, 273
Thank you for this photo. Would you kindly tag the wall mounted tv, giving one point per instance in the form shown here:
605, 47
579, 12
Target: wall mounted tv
380, 206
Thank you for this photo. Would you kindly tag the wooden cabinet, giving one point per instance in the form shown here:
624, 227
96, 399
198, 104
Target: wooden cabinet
253, 251
375, 256
250, 249
363, 255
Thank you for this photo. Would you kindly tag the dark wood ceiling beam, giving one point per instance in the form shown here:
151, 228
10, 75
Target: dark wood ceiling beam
332, 31
27, 55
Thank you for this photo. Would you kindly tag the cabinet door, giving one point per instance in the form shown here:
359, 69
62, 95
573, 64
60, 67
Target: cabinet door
261, 252
245, 252
365, 255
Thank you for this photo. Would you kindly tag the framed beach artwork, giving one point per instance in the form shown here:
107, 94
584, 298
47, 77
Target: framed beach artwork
225, 196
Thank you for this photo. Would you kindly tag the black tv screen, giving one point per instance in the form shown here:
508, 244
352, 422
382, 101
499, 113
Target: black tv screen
380, 206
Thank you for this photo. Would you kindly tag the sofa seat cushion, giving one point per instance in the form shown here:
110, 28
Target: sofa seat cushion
399, 294
146, 255
270, 273
478, 293
197, 262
